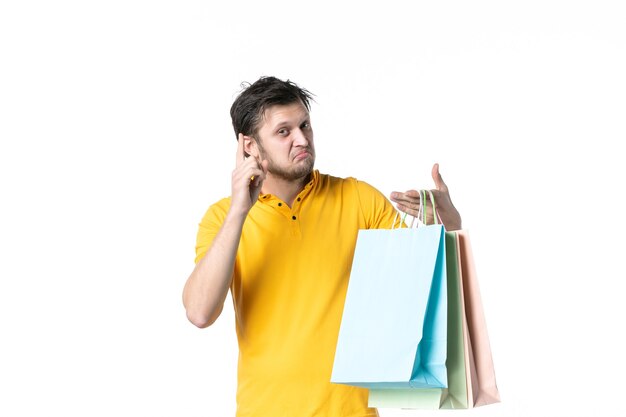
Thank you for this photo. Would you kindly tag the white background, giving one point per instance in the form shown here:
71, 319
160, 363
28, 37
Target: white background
115, 138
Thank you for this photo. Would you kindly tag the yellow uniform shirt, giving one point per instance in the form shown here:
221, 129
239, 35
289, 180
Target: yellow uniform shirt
289, 287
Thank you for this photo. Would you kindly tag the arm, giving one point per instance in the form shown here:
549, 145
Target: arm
409, 202
207, 286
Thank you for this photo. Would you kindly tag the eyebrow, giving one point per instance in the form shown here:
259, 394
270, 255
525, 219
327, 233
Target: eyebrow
284, 123
281, 124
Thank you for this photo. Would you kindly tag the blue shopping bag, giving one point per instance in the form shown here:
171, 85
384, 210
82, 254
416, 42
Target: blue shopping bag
456, 395
393, 331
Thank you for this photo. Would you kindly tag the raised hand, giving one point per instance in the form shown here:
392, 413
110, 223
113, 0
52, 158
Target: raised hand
409, 202
247, 179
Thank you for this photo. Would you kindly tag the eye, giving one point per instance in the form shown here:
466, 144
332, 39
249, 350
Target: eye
283, 132
305, 125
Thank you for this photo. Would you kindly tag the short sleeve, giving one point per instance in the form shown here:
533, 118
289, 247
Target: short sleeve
210, 224
378, 211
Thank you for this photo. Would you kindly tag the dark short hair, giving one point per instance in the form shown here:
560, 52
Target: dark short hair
248, 108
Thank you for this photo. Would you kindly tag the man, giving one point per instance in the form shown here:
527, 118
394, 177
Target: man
283, 244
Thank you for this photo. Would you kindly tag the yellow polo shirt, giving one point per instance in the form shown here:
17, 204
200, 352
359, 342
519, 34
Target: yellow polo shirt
289, 286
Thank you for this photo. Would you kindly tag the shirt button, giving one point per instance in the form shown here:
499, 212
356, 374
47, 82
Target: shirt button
299, 199
293, 217
280, 204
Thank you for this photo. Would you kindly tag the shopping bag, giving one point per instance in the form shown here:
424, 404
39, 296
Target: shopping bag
393, 328
469, 361
471, 375
455, 396
483, 388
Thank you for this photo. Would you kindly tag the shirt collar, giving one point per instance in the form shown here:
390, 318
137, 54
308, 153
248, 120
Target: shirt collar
315, 177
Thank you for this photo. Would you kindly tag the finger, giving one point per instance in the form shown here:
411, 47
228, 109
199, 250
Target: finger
439, 184
258, 164
254, 176
260, 175
240, 156
251, 162
411, 196
412, 211
247, 168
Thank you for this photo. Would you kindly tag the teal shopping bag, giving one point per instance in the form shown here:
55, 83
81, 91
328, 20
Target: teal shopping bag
393, 329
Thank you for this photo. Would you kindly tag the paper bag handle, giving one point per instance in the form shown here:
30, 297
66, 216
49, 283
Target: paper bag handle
422, 211
421, 214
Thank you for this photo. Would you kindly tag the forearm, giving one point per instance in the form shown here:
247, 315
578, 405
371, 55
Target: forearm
207, 286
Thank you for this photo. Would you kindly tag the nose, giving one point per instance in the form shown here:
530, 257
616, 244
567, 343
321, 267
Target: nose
300, 138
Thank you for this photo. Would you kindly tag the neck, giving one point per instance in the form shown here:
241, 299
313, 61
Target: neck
285, 189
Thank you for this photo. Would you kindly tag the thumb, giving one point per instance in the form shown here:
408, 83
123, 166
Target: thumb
439, 184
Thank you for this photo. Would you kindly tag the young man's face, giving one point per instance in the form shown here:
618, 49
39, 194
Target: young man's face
285, 139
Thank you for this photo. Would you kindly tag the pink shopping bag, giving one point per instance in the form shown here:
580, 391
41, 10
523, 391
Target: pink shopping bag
481, 377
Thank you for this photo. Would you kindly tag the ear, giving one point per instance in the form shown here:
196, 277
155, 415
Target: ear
250, 146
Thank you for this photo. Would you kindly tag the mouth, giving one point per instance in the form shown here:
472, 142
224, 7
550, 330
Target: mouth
301, 155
